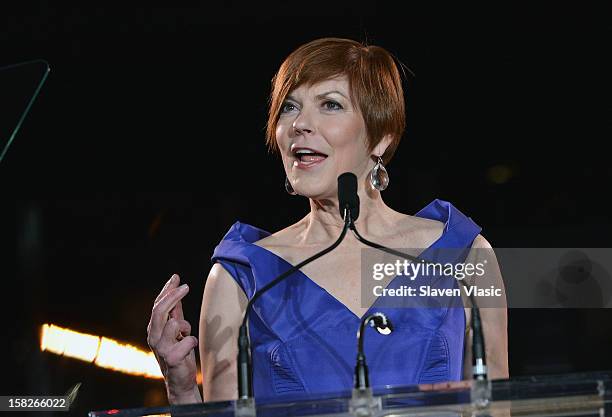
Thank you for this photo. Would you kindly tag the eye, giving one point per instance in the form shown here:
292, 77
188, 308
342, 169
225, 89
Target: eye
332, 105
287, 106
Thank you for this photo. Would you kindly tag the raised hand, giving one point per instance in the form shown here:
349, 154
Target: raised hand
169, 337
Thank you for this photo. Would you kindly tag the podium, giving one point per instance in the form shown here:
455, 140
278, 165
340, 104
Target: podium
574, 394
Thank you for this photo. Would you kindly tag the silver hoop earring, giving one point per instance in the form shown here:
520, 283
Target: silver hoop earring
379, 178
288, 187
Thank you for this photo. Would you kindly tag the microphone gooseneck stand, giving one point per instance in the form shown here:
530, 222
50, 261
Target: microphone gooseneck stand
362, 402
245, 388
245, 405
478, 346
383, 326
481, 387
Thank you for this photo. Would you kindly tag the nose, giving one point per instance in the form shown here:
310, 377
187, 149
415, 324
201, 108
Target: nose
302, 124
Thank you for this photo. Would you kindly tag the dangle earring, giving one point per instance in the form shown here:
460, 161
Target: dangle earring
379, 178
288, 187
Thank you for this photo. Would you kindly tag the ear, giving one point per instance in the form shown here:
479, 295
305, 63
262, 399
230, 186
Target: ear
382, 146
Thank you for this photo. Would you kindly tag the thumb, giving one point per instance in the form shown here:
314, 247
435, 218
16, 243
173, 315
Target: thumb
181, 350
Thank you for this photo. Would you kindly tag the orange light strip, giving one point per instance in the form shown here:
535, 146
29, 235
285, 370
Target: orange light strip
101, 351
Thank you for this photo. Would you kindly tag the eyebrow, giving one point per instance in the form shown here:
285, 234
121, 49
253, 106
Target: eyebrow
322, 95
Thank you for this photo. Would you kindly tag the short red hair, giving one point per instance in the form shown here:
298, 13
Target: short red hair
374, 82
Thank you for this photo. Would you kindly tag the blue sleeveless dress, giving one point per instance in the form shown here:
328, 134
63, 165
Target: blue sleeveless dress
303, 340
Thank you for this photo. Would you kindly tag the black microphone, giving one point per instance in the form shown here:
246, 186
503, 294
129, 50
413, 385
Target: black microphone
349, 210
480, 393
479, 356
347, 195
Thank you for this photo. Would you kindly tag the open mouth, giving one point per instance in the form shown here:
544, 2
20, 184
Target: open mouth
306, 157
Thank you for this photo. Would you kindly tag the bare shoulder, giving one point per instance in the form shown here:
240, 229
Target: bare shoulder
416, 232
420, 221
282, 239
217, 273
221, 287
481, 243
482, 252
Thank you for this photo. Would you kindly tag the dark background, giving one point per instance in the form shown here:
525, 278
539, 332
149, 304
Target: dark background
147, 142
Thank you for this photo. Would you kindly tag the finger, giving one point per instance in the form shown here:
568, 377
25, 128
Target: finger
177, 311
180, 350
170, 284
173, 282
175, 330
159, 315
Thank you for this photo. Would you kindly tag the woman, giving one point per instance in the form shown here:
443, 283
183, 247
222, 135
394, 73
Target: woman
336, 106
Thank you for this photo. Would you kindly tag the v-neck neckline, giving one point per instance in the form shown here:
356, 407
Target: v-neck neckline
334, 298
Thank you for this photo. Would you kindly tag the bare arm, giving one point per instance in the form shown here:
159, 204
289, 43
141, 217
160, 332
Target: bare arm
223, 306
494, 318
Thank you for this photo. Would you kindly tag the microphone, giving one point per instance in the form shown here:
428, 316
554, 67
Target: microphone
478, 343
349, 210
362, 402
479, 358
347, 195
383, 325
480, 392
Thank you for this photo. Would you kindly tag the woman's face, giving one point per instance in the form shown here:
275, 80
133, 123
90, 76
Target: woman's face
320, 136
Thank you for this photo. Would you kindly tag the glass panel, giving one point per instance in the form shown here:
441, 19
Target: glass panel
19, 86
579, 394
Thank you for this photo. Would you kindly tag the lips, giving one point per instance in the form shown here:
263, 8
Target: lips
307, 157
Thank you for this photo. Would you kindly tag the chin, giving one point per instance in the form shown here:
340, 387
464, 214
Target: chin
317, 190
